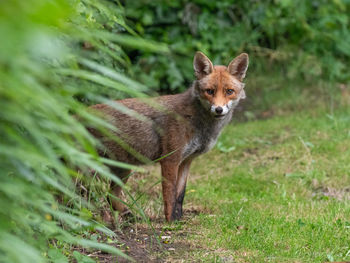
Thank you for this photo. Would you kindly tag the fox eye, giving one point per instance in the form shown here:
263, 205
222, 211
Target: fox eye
229, 91
209, 91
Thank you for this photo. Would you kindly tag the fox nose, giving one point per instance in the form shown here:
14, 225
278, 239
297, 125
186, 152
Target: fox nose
218, 110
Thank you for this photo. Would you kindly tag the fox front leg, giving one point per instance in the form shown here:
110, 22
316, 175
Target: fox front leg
181, 186
169, 175
117, 191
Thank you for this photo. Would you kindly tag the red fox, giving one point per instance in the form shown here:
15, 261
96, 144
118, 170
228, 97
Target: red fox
187, 125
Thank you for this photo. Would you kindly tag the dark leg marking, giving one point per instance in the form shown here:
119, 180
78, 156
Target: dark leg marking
178, 206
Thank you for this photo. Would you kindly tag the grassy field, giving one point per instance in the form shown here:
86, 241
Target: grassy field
275, 190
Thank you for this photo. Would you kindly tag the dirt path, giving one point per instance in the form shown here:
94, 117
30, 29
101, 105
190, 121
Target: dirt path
160, 242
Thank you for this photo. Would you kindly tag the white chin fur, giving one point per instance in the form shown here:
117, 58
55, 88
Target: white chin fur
226, 108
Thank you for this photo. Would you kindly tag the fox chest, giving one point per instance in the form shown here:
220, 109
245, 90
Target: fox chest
199, 144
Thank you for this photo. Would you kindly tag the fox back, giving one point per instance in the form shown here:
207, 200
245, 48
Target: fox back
176, 128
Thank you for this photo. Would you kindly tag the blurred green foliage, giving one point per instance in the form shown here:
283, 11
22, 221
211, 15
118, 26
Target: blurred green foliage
308, 39
55, 57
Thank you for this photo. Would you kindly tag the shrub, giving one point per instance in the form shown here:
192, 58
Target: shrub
310, 39
48, 72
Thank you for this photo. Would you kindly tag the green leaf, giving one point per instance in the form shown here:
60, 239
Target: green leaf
56, 256
225, 149
82, 258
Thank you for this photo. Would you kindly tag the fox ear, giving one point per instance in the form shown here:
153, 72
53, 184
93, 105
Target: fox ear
238, 67
202, 65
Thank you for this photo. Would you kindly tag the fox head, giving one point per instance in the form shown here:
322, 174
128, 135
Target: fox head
220, 88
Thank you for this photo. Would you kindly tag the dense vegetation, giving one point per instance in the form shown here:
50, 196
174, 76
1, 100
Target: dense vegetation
54, 55
58, 56
307, 39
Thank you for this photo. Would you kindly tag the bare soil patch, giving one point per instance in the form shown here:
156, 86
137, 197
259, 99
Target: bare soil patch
155, 242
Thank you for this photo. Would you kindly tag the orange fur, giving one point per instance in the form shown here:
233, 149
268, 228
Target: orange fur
221, 81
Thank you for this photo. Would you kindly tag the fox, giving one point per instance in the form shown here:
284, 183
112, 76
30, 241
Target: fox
175, 128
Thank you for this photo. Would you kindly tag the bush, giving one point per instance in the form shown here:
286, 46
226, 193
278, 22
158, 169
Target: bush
48, 72
310, 39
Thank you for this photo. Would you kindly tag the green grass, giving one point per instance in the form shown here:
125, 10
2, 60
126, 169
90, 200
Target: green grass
273, 190
282, 194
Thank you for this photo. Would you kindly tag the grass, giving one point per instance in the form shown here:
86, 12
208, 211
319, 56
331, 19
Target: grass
283, 194
275, 190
